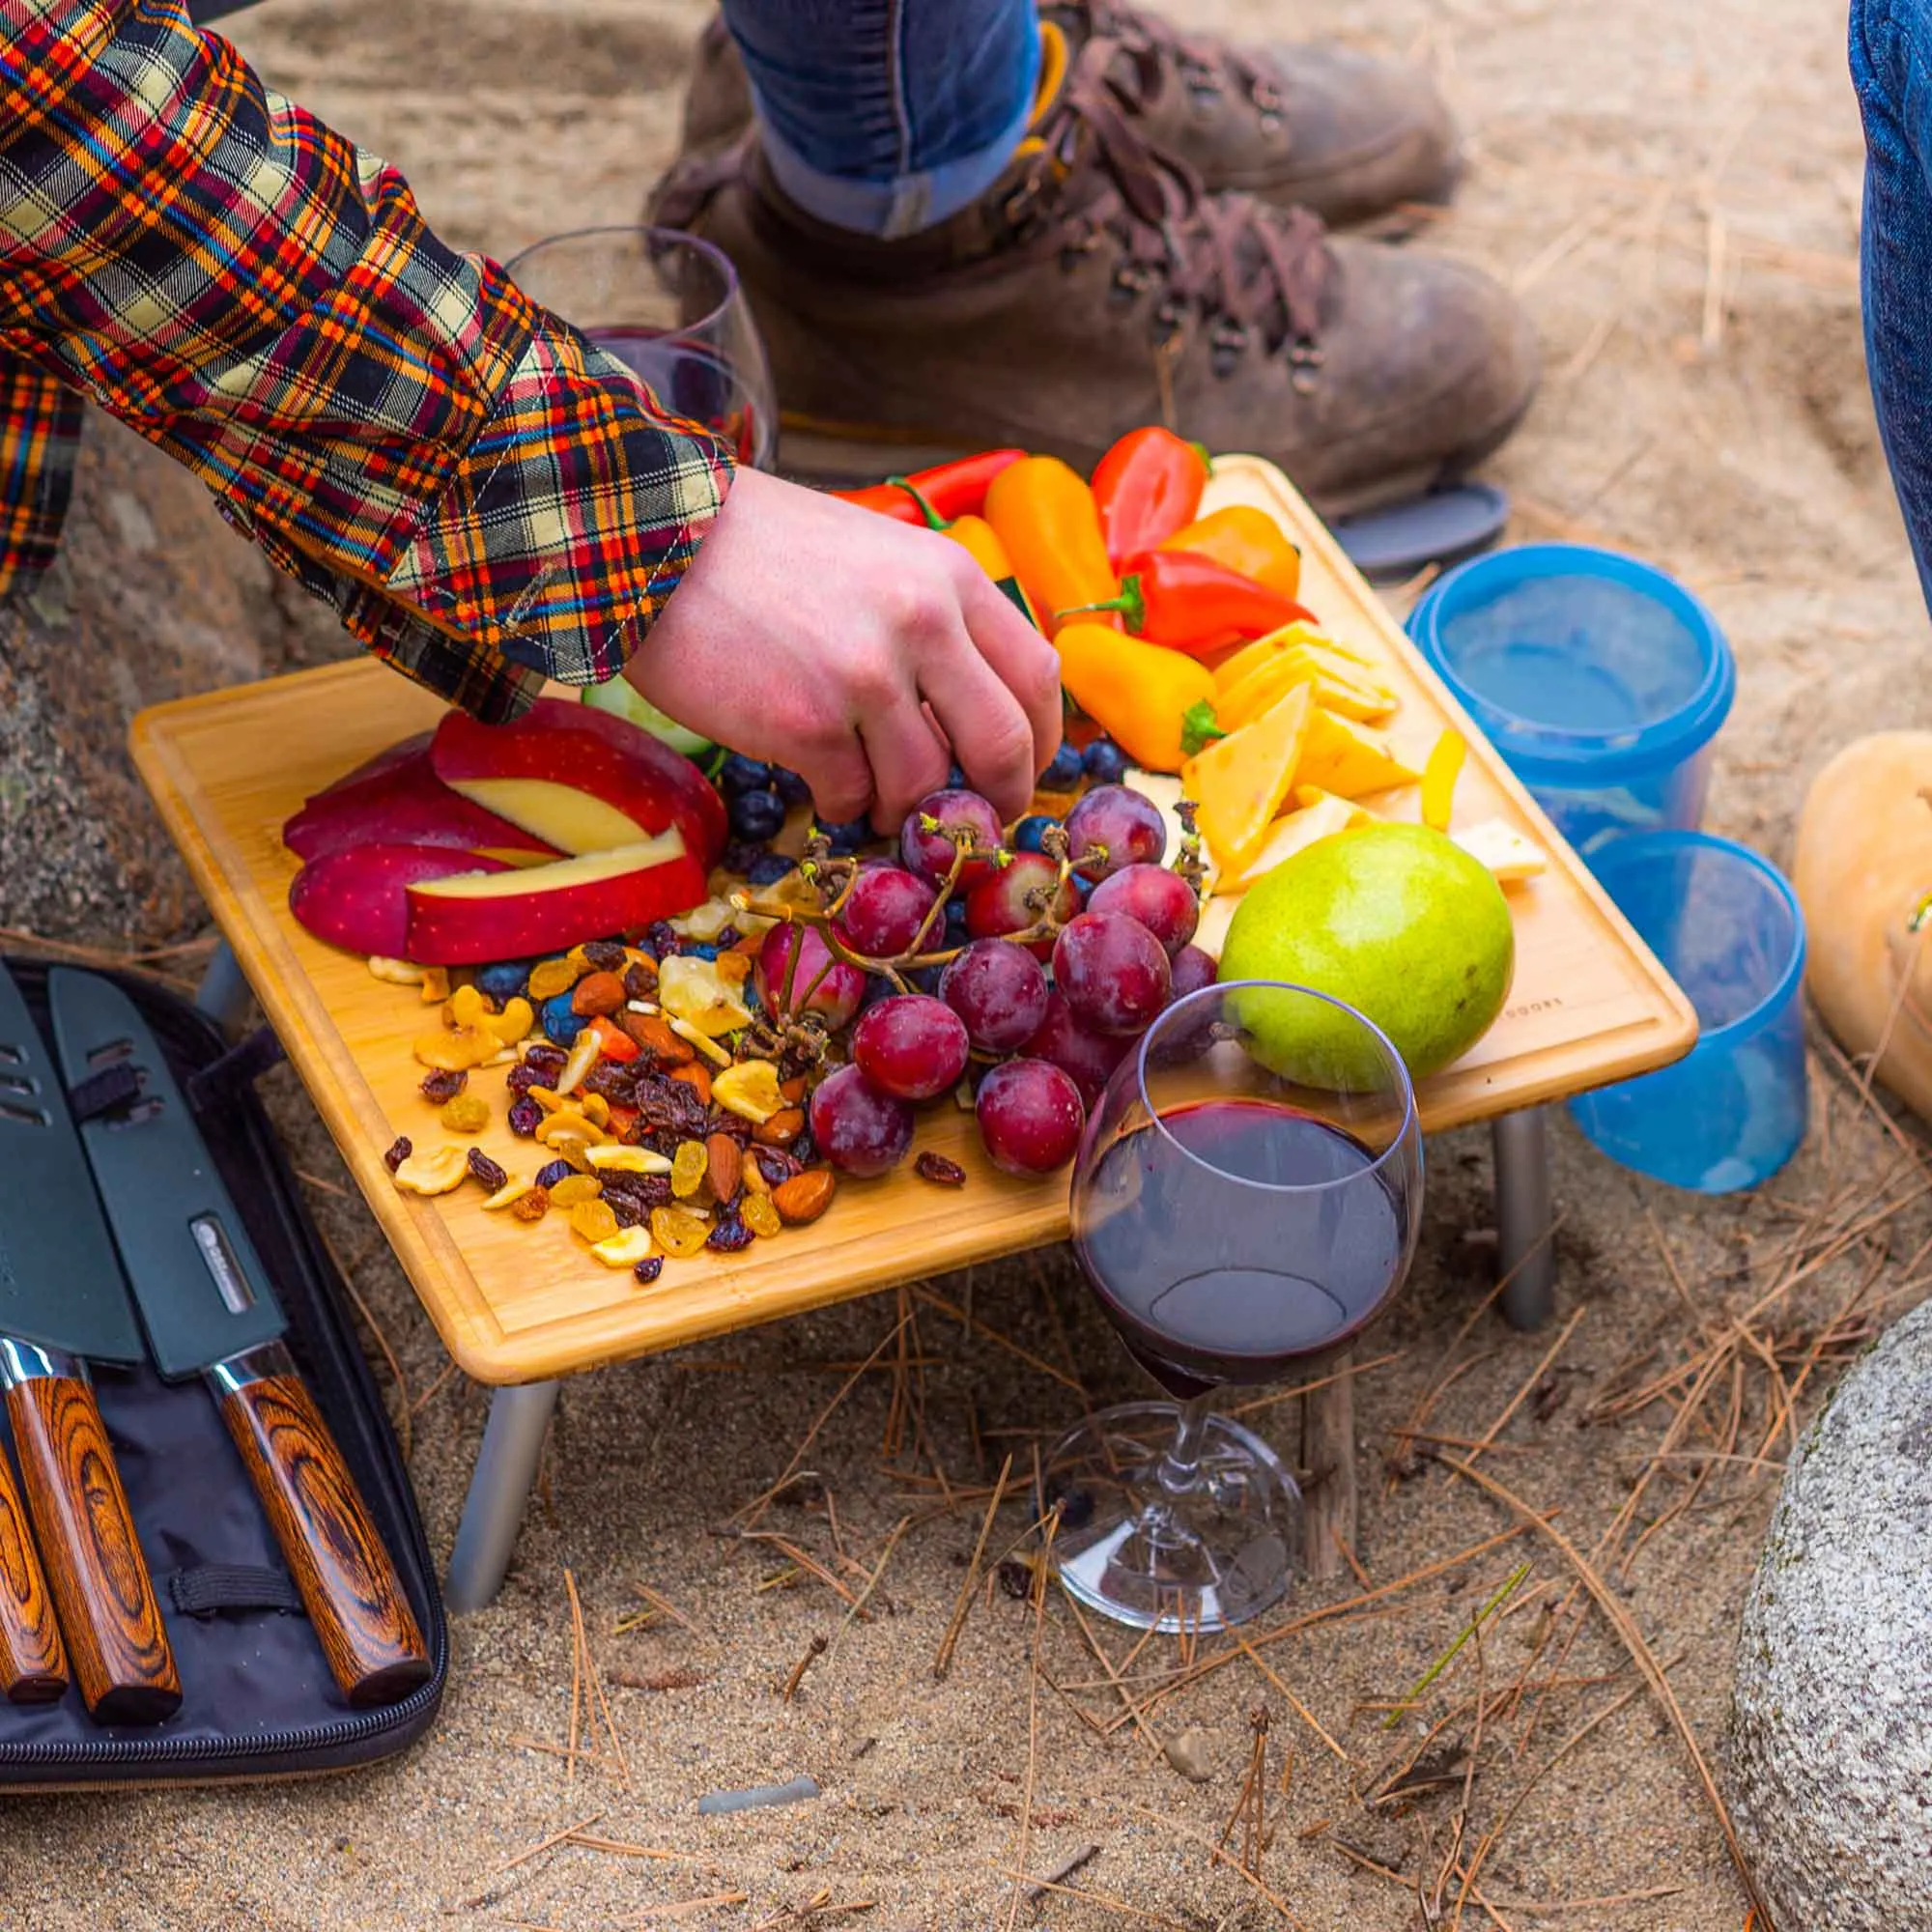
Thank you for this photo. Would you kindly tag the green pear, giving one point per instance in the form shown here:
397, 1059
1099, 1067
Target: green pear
1396, 920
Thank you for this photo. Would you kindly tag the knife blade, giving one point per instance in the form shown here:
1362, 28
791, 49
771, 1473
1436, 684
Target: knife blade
209, 1309
62, 1302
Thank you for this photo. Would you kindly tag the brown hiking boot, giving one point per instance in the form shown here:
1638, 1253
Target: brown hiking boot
1347, 136
1096, 288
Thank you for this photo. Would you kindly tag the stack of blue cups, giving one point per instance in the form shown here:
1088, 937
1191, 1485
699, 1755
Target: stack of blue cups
1604, 683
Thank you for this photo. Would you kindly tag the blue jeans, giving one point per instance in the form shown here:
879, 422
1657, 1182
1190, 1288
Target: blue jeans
887, 115
1892, 69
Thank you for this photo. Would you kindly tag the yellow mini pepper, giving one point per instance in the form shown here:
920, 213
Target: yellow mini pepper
979, 539
1145, 696
1045, 516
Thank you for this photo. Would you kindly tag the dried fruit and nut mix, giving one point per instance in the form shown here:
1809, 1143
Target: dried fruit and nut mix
705, 1086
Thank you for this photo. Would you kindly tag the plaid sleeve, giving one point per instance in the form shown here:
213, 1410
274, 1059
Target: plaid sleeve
485, 497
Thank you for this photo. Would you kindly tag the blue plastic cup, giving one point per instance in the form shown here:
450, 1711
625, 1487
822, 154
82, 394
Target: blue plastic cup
1600, 680
1726, 926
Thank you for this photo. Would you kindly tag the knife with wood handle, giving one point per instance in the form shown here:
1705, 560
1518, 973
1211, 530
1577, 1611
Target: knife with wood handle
63, 1303
206, 1302
33, 1664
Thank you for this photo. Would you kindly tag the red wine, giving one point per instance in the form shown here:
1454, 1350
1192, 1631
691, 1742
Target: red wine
689, 378
1210, 1281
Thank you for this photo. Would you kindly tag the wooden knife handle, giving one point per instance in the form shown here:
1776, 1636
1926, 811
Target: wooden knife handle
100, 1582
353, 1594
33, 1665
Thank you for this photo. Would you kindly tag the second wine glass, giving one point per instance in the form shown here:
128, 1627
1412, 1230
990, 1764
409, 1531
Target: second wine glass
1245, 1202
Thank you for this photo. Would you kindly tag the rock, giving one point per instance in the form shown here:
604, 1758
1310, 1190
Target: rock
1831, 1748
1191, 1755
753, 1796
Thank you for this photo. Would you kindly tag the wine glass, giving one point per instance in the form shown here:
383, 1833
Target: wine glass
667, 306
1245, 1201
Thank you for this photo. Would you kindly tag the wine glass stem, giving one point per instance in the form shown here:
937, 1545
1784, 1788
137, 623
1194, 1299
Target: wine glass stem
1179, 1472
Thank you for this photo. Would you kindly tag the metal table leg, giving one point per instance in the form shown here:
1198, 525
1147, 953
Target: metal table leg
223, 993
507, 1466
1525, 1253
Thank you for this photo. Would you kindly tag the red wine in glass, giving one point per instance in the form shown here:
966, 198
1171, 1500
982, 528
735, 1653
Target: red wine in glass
1199, 1306
693, 379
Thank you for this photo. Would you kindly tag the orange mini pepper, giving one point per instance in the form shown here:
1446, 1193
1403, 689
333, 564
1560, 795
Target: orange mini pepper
1045, 515
1246, 539
1145, 696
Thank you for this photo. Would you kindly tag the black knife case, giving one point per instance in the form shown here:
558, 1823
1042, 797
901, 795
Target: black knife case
257, 1696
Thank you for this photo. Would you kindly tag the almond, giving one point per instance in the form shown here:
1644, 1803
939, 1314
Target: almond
654, 1036
597, 993
781, 1130
805, 1197
724, 1167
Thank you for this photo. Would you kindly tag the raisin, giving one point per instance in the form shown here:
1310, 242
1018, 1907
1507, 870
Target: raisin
647, 1190
730, 1234
940, 1172
604, 955
688, 1169
594, 1220
648, 1270
525, 1117
668, 1105
575, 1188
487, 1171
445, 1083
558, 1170
640, 980
548, 1060
522, 1077
627, 1207
677, 1230
776, 1165
598, 993
400, 1149
662, 940
531, 1206
466, 1114
614, 1079
760, 1215
551, 976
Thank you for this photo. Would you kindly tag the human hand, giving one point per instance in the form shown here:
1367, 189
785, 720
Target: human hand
853, 650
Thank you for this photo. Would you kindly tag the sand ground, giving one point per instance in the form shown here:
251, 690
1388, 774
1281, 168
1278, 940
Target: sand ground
1674, 191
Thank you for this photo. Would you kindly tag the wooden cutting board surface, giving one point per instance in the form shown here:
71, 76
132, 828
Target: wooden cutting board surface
519, 1303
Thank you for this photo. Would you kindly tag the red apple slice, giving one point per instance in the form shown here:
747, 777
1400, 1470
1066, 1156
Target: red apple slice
466, 919
357, 896
583, 780
397, 799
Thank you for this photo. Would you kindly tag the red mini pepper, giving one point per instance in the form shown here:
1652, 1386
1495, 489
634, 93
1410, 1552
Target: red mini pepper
1147, 486
1195, 604
953, 489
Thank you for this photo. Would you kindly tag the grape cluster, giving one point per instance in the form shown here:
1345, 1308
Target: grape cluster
1016, 970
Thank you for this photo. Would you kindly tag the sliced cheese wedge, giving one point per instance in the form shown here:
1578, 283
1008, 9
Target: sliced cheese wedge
1343, 756
1238, 782
1300, 830
1498, 845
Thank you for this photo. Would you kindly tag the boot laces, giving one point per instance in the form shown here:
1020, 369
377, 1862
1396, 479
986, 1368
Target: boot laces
1245, 271
1202, 62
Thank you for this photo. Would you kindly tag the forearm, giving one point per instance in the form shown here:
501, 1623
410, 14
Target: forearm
391, 420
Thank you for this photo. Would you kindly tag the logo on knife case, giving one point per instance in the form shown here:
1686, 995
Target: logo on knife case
230, 1283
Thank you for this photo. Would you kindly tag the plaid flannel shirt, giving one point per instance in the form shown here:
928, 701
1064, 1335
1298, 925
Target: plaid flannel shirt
485, 497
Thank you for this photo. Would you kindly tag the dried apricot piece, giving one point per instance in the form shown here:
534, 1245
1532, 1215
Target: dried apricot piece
594, 1220
574, 1189
805, 1197
757, 1214
436, 1171
689, 1166
679, 1231
695, 1076
465, 1114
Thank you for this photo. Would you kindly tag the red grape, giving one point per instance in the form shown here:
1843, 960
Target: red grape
929, 854
859, 1129
884, 910
910, 1046
999, 990
1085, 1057
1029, 1117
1129, 826
1163, 902
999, 905
1111, 971
835, 996
1191, 969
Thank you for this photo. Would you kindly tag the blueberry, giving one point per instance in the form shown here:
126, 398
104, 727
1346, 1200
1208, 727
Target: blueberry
504, 980
1026, 833
1104, 762
956, 923
955, 778
1064, 773
757, 815
559, 1024
849, 837
877, 988
768, 868
789, 786
740, 855
924, 979
740, 774
694, 950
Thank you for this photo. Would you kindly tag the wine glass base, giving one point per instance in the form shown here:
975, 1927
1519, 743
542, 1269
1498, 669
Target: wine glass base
1203, 1561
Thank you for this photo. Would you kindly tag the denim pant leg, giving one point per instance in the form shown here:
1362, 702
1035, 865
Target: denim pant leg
886, 116
1892, 70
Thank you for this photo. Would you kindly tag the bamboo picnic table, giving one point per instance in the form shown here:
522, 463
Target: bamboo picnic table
519, 1308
